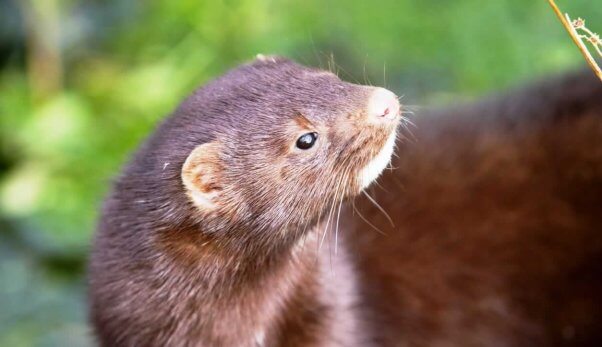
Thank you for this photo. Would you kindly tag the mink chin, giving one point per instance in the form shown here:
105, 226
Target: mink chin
209, 236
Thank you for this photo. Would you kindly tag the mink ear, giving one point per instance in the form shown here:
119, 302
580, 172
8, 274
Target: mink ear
269, 58
201, 175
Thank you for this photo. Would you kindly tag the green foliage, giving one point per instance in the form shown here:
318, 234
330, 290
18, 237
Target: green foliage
67, 124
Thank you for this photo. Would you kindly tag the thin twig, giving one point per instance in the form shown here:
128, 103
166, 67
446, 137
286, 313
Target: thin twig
565, 20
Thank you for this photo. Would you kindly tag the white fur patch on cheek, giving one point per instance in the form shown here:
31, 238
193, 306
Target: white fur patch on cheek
376, 166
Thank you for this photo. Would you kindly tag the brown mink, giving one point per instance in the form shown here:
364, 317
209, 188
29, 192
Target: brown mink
227, 227
211, 234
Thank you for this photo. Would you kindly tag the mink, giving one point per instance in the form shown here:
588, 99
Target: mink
249, 218
213, 234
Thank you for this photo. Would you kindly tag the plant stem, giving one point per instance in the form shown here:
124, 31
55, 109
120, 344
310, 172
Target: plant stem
569, 27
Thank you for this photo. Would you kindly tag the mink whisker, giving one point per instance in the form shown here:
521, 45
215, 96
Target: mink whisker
365, 220
379, 208
336, 233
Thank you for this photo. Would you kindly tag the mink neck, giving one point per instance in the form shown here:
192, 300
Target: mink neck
234, 255
254, 287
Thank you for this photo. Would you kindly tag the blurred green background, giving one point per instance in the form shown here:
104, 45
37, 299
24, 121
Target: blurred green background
82, 82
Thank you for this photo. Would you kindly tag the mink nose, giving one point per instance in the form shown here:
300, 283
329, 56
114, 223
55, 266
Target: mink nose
383, 105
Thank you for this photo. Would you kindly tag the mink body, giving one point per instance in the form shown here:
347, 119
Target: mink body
497, 213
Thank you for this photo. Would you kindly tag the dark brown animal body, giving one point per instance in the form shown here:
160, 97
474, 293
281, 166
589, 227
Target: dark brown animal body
497, 210
214, 233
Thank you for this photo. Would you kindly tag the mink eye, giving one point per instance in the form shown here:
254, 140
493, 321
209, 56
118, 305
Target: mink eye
307, 141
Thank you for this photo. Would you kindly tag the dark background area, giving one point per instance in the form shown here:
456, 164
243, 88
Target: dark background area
83, 82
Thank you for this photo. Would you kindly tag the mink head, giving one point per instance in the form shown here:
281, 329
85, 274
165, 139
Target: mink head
272, 146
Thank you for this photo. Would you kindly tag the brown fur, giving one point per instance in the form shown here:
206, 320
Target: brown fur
497, 210
247, 268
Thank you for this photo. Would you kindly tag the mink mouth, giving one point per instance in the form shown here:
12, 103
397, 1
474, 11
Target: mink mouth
369, 158
377, 164
366, 159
